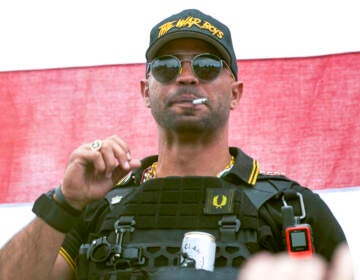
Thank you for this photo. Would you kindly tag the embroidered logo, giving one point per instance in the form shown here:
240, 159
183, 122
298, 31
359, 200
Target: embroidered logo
190, 22
222, 202
219, 201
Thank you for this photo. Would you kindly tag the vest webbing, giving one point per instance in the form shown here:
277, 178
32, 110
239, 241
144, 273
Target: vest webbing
167, 205
174, 203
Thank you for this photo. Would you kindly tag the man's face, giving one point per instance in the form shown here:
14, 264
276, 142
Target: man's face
171, 102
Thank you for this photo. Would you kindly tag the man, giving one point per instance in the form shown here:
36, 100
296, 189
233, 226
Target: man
114, 216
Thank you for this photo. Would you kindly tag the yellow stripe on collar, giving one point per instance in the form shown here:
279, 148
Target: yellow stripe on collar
254, 173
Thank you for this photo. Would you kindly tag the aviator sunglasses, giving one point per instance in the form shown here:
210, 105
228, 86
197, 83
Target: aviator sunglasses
167, 68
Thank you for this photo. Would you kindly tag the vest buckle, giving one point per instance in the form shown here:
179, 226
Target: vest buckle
228, 227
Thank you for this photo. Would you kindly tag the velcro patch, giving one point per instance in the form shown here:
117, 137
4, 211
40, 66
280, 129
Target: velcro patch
219, 201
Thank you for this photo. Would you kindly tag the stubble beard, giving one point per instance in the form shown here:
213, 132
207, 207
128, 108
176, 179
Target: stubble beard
187, 122
186, 119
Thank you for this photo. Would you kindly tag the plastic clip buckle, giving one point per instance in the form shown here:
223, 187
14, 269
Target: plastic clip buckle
229, 226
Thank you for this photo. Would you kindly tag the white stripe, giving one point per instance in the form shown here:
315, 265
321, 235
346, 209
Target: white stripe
50, 34
344, 203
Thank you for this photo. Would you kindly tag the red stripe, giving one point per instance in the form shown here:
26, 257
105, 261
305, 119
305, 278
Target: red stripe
299, 116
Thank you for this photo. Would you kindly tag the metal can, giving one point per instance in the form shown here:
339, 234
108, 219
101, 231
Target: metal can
200, 247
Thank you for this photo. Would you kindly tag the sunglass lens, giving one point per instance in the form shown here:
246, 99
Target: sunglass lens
165, 69
207, 67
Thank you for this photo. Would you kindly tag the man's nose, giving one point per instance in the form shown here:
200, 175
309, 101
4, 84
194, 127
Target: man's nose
186, 75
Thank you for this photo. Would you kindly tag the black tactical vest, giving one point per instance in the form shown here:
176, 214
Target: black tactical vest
140, 235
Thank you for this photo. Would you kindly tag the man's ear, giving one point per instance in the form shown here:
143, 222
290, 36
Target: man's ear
144, 84
237, 90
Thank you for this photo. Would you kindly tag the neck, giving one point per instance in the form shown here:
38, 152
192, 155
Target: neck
202, 156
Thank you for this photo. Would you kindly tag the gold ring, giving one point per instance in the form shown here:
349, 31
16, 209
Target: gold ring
96, 145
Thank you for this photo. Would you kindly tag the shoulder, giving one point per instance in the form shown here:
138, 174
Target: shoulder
272, 186
277, 180
276, 185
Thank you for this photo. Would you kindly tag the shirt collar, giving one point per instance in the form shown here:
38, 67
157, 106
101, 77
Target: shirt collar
245, 168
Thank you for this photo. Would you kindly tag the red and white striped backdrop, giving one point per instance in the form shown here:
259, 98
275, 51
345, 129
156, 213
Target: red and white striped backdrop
299, 116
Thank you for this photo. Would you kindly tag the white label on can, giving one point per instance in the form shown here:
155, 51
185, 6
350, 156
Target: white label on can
201, 247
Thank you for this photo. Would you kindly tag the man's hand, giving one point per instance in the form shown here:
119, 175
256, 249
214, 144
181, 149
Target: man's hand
89, 174
283, 267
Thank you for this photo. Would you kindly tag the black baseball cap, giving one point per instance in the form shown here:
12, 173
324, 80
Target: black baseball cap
193, 23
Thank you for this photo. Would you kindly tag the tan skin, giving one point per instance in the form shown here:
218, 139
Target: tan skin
185, 153
181, 152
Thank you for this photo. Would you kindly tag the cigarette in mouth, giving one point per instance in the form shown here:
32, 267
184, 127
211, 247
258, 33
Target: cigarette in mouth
199, 101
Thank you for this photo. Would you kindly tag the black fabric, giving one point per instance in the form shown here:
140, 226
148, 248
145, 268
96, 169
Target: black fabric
162, 210
178, 202
169, 273
54, 214
191, 274
326, 230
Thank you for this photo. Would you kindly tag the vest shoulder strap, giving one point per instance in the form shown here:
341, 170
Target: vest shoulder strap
126, 186
267, 187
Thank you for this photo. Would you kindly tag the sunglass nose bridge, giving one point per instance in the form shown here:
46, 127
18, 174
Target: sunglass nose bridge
185, 67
